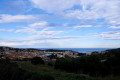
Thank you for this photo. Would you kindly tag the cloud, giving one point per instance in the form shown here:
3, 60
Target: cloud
113, 35
22, 43
5, 18
53, 5
78, 14
41, 28
115, 27
95, 9
40, 39
41, 24
26, 30
38, 29
82, 26
82, 9
4, 30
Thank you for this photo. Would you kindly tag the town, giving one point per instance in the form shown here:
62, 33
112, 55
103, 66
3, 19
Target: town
20, 54
28, 53
60, 62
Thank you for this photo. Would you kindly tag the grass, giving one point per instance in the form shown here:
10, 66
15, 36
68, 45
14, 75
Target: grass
57, 74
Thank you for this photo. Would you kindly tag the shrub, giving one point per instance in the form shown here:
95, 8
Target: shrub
37, 60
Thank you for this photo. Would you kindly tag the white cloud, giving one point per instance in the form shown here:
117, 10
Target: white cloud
53, 5
41, 24
34, 28
17, 18
22, 43
41, 28
38, 29
94, 9
114, 35
86, 9
26, 30
5, 30
82, 26
49, 32
115, 27
40, 39
78, 14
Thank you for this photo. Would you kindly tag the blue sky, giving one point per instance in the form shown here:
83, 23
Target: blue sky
60, 23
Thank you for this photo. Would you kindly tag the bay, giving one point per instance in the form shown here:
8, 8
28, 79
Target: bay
80, 50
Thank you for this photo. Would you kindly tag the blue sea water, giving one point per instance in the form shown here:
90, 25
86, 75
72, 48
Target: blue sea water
81, 50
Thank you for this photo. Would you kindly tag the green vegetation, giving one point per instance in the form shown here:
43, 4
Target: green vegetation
81, 54
93, 67
53, 50
89, 65
37, 60
57, 74
11, 71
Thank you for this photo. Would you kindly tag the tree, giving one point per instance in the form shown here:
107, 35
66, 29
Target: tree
81, 54
37, 60
52, 56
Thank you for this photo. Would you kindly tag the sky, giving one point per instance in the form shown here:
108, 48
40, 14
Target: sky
60, 23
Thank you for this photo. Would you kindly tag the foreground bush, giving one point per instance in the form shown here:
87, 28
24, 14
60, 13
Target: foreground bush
11, 71
91, 65
37, 60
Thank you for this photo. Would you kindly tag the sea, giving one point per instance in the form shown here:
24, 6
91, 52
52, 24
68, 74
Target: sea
80, 50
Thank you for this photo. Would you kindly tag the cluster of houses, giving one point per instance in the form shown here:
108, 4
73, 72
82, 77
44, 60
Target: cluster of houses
20, 54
